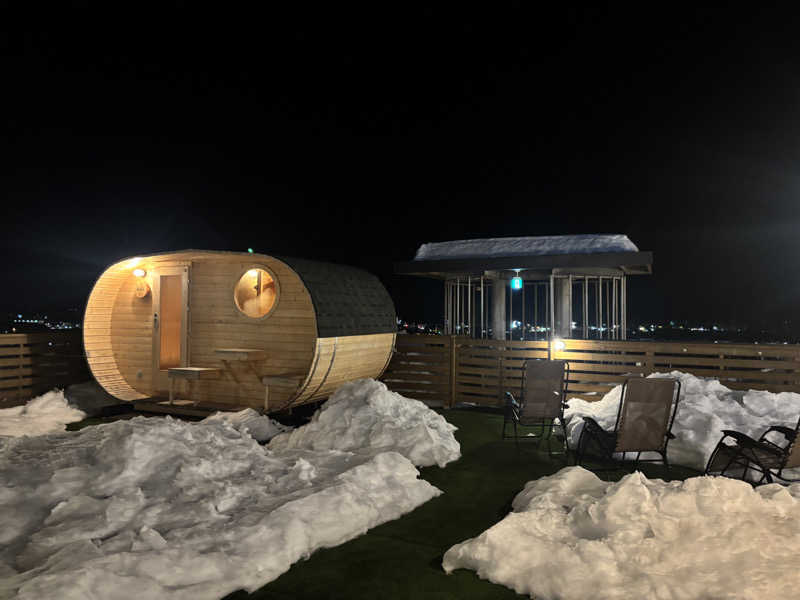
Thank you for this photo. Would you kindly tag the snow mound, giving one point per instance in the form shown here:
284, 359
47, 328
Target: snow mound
161, 508
260, 427
706, 407
364, 416
572, 536
544, 245
47, 413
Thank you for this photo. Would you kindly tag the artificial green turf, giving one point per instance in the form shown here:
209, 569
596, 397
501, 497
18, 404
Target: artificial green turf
402, 559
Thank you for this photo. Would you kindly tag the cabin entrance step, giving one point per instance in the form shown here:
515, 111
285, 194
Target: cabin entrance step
190, 374
182, 407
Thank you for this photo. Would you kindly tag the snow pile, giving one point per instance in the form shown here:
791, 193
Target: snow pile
545, 245
259, 427
47, 413
706, 407
364, 416
160, 508
572, 536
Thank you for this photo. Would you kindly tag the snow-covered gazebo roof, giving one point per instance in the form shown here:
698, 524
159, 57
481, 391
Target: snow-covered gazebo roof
534, 256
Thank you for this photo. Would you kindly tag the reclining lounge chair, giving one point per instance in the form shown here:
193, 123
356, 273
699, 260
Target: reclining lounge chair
644, 422
737, 453
544, 387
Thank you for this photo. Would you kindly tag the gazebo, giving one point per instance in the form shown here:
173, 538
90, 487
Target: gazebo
523, 288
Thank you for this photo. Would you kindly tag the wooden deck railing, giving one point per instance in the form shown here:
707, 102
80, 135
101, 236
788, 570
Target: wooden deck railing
449, 370
33, 363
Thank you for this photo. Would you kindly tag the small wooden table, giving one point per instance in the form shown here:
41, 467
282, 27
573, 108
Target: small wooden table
291, 381
240, 354
190, 374
250, 355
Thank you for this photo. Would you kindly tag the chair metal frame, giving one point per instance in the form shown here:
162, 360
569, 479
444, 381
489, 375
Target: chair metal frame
608, 439
761, 455
514, 412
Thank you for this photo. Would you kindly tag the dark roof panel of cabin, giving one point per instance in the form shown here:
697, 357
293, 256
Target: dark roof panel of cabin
347, 301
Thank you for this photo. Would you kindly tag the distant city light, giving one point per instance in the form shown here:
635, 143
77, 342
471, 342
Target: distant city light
250, 250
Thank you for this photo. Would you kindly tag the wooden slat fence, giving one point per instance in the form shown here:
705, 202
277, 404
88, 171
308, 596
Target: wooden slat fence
481, 371
421, 368
33, 363
486, 369
599, 365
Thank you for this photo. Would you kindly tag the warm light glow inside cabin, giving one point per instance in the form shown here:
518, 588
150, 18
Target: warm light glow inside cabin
255, 293
171, 318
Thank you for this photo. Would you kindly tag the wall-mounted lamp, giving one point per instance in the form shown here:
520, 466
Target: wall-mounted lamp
516, 283
142, 288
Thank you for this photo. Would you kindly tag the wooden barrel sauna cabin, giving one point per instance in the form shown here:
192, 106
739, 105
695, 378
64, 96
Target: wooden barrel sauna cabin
199, 329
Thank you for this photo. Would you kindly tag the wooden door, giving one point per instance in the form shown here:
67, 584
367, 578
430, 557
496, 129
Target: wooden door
170, 321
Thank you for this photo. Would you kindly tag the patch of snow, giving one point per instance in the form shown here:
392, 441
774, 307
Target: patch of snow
47, 413
546, 245
259, 427
364, 416
162, 508
706, 407
573, 537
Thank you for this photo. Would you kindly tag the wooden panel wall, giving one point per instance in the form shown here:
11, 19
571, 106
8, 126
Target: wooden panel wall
131, 336
288, 334
33, 363
98, 335
483, 370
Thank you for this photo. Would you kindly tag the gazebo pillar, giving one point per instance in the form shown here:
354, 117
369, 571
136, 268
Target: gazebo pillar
498, 309
562, 300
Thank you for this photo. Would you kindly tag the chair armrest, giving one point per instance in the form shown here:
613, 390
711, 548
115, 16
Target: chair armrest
787, 432
670, 435
741, 438
511, 401
565, 405
746, 441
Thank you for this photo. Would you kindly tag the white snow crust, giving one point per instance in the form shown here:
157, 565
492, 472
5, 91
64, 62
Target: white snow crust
47, 413
526, 246
162, 508
572, 536
258, 426
706, 407
364, 415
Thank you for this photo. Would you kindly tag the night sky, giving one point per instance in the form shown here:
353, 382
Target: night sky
355, 136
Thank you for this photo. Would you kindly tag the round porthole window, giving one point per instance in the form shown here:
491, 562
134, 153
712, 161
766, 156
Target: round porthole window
255, 293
